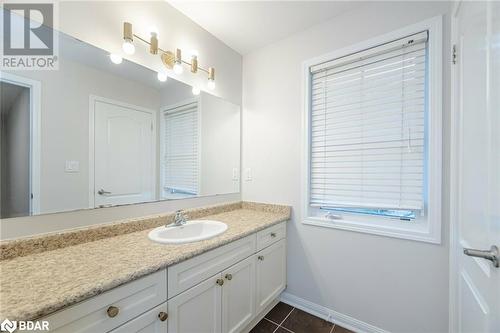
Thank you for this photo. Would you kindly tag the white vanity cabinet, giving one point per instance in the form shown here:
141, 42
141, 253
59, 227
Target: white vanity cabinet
223, 303
198, 309
270, 273
220, 291
251, 273
238, 296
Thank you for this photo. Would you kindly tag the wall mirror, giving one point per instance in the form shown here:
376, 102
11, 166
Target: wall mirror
96, 134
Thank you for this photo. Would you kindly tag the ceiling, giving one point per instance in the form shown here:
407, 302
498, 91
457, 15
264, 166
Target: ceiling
246, 26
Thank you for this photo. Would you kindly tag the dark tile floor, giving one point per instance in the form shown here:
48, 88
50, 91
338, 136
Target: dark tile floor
284, 318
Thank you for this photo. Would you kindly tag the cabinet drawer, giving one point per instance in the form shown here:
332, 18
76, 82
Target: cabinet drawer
95, 315
270, 235
148, 322
191, 272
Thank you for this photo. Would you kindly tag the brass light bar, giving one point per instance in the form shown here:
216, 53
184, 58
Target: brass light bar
168, 58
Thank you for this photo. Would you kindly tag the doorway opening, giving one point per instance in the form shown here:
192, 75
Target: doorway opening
19, 142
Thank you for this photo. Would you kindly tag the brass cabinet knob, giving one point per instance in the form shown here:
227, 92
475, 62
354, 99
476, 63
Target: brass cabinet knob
229, 276
220, 282
113, 311
273, 234
163, 316
261, 258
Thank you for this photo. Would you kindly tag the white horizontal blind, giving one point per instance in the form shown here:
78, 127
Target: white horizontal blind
367, 128
181, 149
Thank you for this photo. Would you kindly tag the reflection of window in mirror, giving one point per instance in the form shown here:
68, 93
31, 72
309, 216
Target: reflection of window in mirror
180, 151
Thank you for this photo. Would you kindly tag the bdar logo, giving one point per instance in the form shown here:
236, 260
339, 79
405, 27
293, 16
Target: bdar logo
8, 326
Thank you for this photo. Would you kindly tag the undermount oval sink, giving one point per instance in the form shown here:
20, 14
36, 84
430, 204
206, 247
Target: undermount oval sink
192, 231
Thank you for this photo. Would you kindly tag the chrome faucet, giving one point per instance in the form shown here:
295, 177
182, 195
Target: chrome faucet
179, 219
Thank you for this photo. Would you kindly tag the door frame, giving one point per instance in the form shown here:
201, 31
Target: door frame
35, 88
92, 101
454, 173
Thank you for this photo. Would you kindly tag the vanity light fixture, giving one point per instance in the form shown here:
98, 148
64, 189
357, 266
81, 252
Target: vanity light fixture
162, 76
116, 58
177, 62
211, 78
195, 90
128, 39
170, 59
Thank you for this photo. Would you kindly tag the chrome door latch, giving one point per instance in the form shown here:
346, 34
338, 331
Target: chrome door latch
491, 254
102, 192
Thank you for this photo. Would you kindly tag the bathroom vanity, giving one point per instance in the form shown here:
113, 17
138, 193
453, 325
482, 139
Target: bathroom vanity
216, 285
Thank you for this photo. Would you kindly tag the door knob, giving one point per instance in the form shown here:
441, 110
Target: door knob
103, 192
491, 254
220, 282
229, 276
261, 258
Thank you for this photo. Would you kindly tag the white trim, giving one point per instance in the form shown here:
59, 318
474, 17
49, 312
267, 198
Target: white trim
430, 231
330, 315
36, 133
92, 100
454, 185
164, 109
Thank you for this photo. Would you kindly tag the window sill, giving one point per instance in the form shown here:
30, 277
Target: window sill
419, 232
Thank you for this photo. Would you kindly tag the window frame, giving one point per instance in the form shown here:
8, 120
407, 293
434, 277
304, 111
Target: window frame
425, 229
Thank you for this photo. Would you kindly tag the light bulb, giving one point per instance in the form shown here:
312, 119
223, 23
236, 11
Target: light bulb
211, 84
196, 91
162, 76
178, 68
115, 58
128, 47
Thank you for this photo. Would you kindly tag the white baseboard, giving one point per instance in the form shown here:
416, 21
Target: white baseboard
330, 315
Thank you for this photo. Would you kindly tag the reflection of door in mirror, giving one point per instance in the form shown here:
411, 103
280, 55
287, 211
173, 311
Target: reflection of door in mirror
124, 153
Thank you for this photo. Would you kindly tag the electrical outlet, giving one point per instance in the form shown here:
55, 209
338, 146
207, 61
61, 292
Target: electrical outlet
72, 166
236, 175
248, 174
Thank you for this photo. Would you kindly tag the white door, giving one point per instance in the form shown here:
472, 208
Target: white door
238, 296
124, 154
270, 273
153, 321
476, 194
198, 309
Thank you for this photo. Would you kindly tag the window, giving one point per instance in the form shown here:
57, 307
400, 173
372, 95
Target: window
373, 137
180, 151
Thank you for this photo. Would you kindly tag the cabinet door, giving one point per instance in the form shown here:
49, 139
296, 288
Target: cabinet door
198, 309
271, 273
153, 321
238, 295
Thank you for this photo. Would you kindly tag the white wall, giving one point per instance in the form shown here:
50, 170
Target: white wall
220, 145
397, 285
101, 23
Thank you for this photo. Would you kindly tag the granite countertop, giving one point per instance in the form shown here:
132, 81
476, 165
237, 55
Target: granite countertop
37, 284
